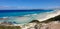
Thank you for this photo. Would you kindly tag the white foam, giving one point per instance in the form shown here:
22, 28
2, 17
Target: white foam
48, 15
40, 17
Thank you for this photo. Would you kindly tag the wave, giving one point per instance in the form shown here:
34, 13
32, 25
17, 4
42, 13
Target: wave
49, 15
29, 17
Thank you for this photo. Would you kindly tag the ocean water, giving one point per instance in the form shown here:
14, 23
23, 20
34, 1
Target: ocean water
20, 16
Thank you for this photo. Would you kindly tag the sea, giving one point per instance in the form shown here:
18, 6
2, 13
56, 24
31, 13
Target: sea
21, 16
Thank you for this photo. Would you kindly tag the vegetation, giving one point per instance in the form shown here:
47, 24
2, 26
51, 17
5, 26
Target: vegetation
36, 21
56, 18
10, 27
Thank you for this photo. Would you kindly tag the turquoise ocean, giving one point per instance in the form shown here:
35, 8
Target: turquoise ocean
20, 16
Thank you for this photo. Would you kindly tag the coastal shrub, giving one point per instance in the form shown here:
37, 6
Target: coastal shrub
10, 27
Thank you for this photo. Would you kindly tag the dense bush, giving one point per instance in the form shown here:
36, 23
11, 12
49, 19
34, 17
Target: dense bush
56, 18
10, 27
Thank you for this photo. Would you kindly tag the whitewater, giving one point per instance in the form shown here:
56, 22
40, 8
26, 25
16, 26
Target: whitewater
34, 16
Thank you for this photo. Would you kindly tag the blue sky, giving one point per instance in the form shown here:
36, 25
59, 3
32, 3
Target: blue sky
29, 4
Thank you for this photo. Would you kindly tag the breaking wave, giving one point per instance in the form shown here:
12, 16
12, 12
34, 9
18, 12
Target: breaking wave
35, 16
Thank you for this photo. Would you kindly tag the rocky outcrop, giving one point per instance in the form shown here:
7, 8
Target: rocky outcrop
36, 21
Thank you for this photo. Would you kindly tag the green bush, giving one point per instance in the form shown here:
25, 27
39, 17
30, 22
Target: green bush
10, 27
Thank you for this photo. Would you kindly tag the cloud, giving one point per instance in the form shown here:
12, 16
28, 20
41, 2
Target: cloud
8, 7
24, 7
3, 7
12, 7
